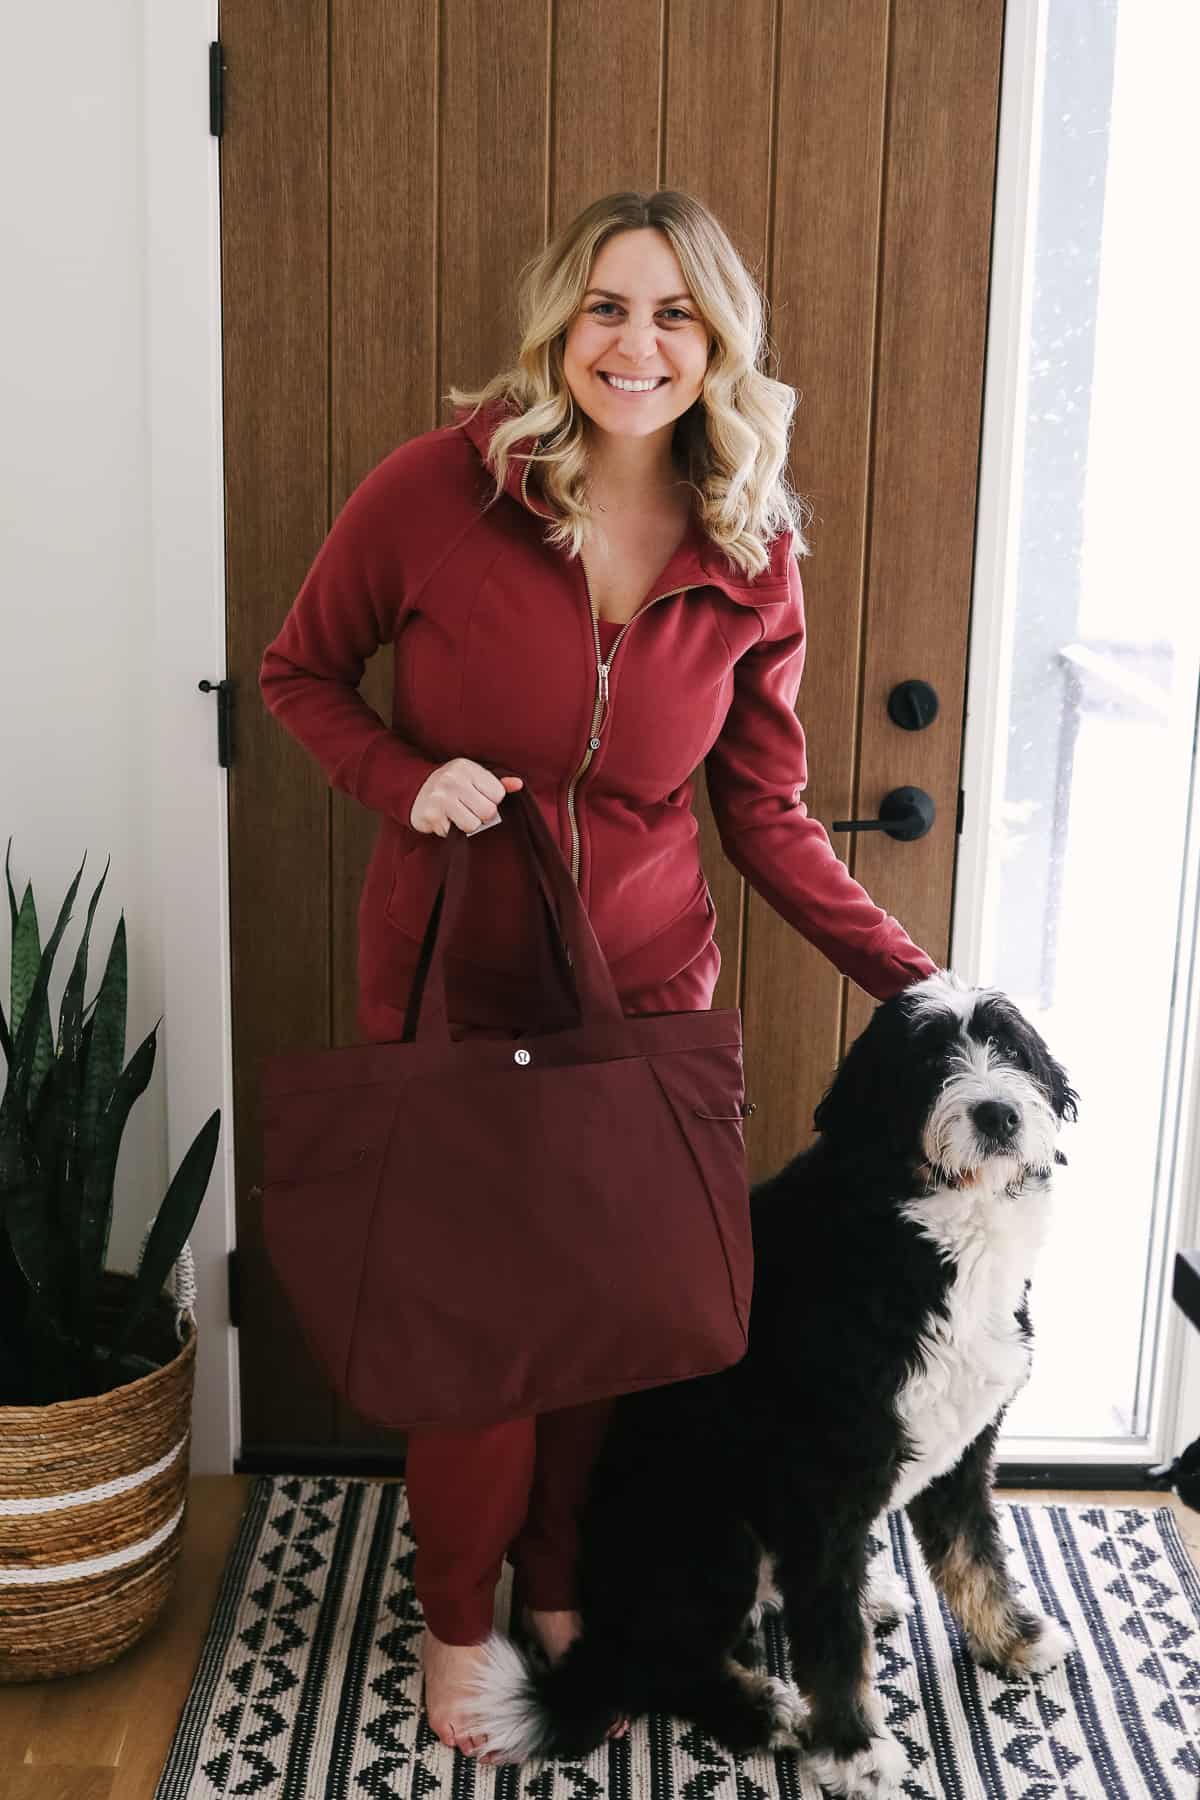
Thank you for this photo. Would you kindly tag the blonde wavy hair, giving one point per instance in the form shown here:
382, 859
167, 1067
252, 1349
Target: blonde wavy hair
730, 445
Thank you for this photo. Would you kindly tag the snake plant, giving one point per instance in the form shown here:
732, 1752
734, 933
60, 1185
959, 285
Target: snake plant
65, 1102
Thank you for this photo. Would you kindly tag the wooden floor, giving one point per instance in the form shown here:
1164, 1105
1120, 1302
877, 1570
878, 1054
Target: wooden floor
105, 1736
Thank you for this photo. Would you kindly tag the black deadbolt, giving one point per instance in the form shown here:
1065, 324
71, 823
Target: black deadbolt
912, 705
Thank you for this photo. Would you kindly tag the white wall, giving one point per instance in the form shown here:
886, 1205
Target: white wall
109, 532
76, 657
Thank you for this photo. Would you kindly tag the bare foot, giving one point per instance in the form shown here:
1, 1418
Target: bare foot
448, 1668
555, 1631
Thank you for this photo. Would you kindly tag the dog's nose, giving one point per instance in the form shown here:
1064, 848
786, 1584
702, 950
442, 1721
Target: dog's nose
998, 1118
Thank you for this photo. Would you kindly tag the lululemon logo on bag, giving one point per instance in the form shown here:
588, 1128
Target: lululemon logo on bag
522, 1057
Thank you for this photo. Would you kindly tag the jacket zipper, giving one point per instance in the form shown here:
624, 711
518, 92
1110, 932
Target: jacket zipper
600, 707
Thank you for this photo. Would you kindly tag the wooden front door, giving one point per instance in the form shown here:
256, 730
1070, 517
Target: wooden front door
385, 170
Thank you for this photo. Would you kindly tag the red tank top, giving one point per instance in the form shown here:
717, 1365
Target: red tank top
609, 629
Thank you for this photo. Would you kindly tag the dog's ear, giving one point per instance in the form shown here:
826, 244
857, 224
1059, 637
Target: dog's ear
1052, 1076
864, 1099
1064, 1099
1046, 1070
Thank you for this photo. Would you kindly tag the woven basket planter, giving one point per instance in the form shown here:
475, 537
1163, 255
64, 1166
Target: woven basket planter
92, 1498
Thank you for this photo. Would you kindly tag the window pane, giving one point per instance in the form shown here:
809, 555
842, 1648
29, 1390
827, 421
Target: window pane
1085, 868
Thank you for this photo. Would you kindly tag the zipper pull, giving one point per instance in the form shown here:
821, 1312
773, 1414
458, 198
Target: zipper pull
602, 671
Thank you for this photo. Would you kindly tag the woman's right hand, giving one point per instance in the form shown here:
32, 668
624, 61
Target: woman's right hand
461, 793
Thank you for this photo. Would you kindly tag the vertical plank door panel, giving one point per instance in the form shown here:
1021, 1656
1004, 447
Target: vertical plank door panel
384, 296
716, 143
943, 105
274, 232
825, 237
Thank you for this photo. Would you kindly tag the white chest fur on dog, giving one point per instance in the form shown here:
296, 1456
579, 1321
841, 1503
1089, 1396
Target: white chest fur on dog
974, 1360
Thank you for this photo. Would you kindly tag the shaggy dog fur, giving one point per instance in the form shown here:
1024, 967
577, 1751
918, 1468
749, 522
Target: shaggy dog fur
888, 1334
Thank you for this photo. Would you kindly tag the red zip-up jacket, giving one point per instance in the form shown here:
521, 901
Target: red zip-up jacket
497, 658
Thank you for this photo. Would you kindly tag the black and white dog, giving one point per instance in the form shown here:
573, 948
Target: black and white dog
888, 1334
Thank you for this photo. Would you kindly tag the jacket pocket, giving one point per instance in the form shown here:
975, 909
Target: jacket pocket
412, 886
501, 911
712, 1129
658, 959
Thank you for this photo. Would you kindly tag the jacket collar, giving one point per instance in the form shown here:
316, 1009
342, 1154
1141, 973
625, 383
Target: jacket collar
697, 562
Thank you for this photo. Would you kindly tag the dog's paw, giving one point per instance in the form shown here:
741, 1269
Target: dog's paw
887, 1598
872, 1774
1044, 1651
789, 1711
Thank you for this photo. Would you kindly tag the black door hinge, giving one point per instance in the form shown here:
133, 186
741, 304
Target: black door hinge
216, 89
959, 817
235, 1290
224, 692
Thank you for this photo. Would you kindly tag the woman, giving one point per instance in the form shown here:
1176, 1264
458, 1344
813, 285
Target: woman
604, 630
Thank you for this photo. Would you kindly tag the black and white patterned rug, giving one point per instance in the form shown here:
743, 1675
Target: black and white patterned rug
309, 1682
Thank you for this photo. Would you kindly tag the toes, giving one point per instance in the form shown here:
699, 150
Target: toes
454, 1739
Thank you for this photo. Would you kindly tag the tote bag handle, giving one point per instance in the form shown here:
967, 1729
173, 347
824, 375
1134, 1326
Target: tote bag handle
587, 972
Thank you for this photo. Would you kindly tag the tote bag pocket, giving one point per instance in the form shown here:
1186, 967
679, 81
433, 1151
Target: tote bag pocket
707, 1108
323, 1161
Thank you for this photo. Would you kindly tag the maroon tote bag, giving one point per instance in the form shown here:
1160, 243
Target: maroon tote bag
474, 1228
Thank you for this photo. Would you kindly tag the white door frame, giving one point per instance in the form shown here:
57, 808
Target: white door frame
1175, 1415
189, 818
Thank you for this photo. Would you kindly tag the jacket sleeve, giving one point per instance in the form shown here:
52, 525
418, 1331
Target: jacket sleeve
351, 601
755, 774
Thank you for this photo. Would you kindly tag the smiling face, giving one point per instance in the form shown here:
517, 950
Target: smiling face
636, 321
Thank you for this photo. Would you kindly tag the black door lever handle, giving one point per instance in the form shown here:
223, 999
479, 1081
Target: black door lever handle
904, 813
